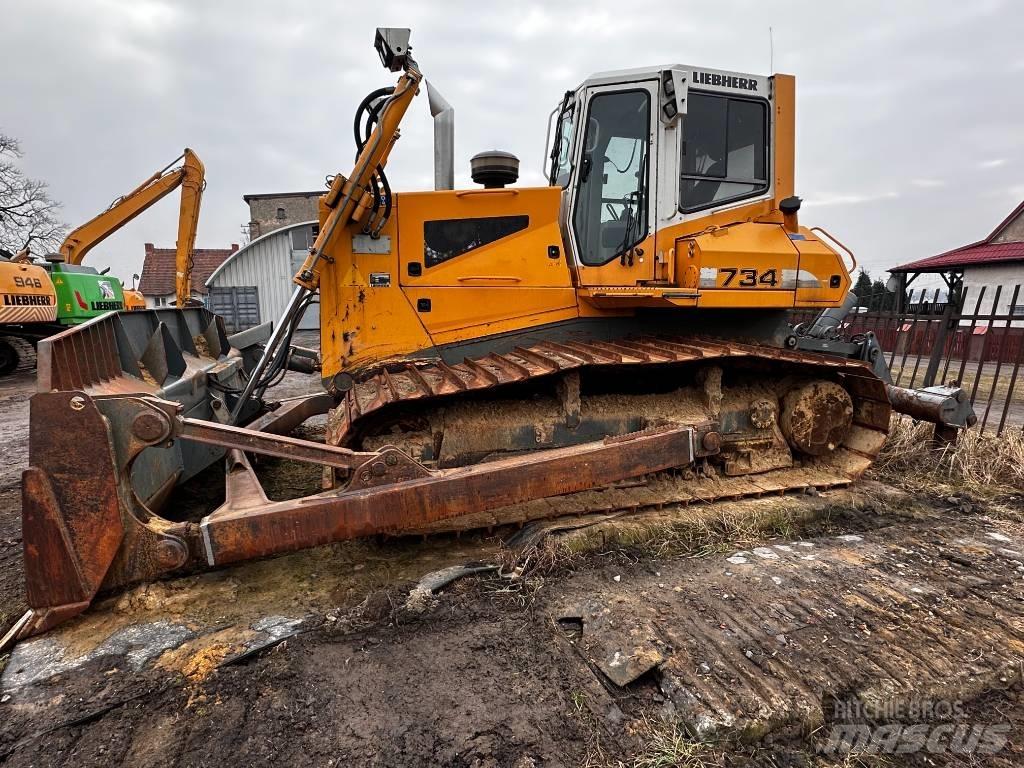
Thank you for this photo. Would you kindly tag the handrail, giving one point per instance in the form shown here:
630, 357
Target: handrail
506, 278
826, 233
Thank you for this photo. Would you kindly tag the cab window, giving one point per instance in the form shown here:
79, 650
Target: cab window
611, 204
724, 150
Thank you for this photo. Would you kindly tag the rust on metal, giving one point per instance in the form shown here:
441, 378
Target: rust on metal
231, 535
293, 412
547, 358
88, 528
940, 405
816, 417
282, 446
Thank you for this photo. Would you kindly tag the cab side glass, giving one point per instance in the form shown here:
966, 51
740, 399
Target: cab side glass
611, 205
724, 151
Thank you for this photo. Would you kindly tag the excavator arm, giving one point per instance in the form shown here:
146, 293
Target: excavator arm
190, 176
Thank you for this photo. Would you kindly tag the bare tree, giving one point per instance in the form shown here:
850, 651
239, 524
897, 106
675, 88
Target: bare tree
28, 215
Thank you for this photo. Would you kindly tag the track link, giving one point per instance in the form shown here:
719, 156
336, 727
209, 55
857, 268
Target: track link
437, 383
22, 349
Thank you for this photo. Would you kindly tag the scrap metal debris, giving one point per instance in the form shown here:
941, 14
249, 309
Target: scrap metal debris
429, 585
273, 630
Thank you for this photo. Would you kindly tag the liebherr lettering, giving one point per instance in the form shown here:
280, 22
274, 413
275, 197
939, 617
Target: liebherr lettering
31, 300
724, 81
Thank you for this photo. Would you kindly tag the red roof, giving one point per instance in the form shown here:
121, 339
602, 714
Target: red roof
982, 252
158, 269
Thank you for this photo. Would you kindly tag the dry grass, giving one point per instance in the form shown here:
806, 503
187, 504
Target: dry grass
980, 464
667, 745
710, 530
696, 531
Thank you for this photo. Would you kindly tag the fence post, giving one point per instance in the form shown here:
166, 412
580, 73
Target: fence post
940, 341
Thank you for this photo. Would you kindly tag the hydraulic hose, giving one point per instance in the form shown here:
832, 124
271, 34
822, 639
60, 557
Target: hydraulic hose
364, 106
301, 293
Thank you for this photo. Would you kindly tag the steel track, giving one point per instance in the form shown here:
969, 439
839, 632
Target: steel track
436, 382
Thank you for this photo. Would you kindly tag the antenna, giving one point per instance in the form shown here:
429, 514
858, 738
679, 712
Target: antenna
771, 52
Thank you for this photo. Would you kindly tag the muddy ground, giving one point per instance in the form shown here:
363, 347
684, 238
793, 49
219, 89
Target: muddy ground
744, 633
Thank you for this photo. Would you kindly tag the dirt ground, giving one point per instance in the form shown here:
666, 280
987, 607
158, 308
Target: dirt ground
690, 636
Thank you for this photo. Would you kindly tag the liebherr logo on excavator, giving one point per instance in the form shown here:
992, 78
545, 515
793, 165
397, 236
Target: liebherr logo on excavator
30, 300
724, 81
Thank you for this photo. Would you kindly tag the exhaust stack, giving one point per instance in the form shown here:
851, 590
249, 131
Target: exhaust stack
444, 139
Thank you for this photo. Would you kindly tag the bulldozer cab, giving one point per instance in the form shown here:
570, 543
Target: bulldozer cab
641, 154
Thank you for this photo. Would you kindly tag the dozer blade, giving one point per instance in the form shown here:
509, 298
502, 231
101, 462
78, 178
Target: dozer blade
72, 504
130, 405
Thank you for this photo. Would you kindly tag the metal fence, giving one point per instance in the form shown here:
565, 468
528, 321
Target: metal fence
975, 340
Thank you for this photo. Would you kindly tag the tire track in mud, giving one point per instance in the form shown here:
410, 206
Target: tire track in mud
475, 680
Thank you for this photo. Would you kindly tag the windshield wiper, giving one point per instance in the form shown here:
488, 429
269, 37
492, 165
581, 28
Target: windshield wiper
556, 144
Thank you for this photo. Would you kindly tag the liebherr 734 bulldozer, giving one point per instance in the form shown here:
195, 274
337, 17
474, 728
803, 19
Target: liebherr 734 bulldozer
489, 355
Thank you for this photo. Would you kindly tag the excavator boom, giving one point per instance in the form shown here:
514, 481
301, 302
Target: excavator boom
190, 176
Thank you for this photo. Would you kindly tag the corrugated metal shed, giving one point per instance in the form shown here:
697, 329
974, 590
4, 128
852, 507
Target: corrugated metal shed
268, 264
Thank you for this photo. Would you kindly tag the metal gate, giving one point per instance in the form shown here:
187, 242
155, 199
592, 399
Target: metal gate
975, 340
238, 305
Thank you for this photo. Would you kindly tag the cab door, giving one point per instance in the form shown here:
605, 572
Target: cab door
611, 208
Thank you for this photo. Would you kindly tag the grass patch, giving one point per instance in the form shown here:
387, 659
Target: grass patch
700, 530
666, 744
697, 531
981, 464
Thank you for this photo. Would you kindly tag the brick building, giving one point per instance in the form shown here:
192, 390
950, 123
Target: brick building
157, 280
271, 211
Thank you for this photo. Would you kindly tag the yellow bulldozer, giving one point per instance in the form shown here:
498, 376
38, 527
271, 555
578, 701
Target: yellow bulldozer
489, 355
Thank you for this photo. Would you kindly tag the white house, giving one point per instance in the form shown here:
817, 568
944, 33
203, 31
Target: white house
994, 264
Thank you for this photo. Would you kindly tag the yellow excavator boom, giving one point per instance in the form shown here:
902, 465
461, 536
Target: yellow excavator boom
191, 177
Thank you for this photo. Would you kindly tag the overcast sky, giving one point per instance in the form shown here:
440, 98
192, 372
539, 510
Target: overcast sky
910, 115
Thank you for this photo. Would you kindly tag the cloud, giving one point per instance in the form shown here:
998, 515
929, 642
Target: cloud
107, 92
534, 23
825, 201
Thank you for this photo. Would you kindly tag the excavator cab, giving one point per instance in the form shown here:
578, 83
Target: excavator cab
673, 184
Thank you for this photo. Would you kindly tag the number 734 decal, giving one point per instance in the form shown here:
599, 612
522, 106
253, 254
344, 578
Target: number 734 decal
739, 277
